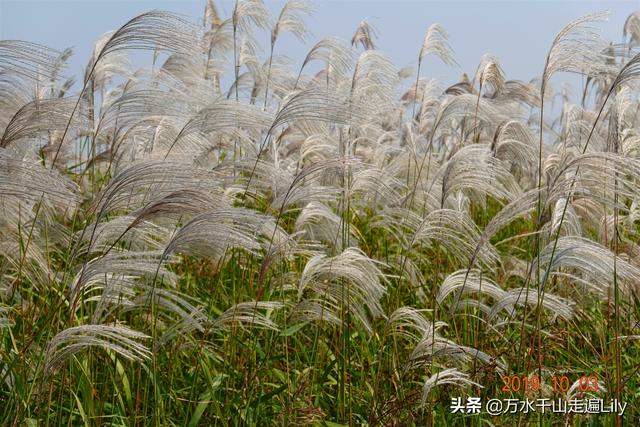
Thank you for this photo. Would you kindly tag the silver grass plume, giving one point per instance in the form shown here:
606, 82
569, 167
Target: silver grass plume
587, 264
334, 52
576, 48
28, 60
449, 376
435, 43
631, 28
119, 339
318, 222
291, 20
489, 75
365, 35
351, 276
164, 31
454, 231
149, 180
517, 297
250, 12
129, 264
250, 314
212, 233
50, 117
29, 180
476, 171
430, 344
473, 282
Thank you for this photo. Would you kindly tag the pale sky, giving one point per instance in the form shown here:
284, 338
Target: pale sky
519, 33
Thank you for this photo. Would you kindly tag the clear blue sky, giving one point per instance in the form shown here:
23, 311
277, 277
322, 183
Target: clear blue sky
517, 32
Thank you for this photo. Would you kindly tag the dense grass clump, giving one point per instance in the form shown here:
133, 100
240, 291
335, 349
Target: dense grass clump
221, 239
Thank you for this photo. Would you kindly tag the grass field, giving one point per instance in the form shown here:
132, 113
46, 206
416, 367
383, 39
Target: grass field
217, 237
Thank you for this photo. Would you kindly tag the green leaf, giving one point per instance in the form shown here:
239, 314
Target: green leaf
205, 400
200, 408
269, 395
293, 329
81, 410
